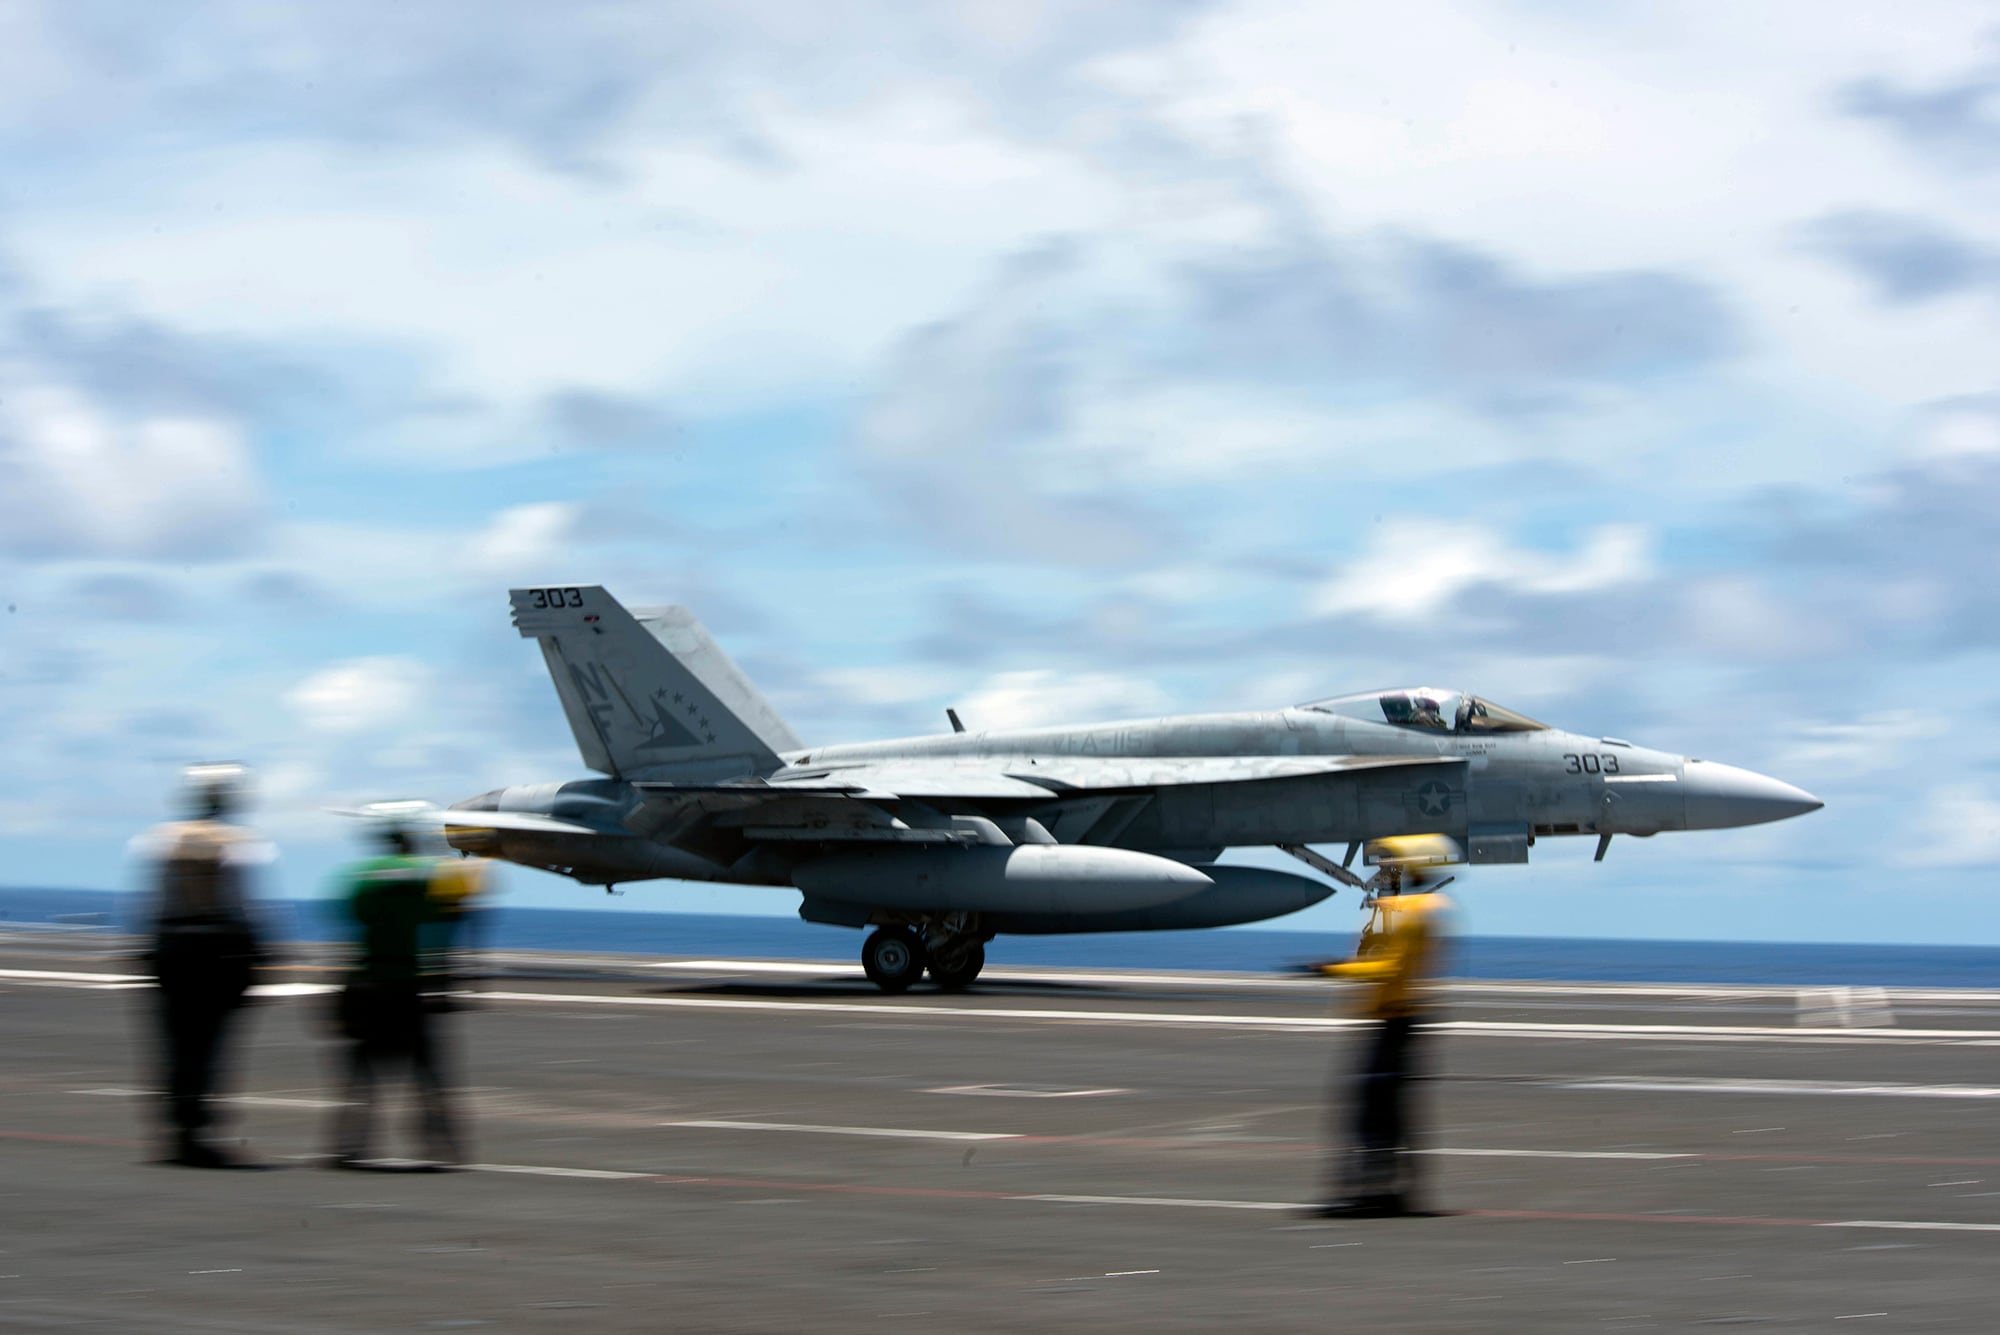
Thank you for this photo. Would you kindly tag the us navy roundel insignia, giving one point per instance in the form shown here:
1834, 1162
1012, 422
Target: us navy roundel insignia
1434, 799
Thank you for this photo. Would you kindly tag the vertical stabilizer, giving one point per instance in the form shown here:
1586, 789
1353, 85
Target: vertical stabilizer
649, 698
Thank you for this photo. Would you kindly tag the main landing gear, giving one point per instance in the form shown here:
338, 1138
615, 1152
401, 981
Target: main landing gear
893, 958
955, 971
951, 949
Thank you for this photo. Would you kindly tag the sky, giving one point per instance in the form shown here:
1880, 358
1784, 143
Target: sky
1634, 367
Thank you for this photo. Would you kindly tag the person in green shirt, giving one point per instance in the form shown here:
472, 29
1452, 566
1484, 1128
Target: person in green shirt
387, 1015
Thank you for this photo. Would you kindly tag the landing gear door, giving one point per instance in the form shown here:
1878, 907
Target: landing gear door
1498, 844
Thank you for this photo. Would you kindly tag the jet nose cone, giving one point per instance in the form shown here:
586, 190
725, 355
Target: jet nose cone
1720, 797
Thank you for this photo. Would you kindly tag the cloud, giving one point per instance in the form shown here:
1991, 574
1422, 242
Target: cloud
361, 695
1416, 569
1042, 697
523, 541
1053, 417
126, 597
1956, 120
1742, 618
563, 88
1913, 567
1964, 427
594, 419
1958, 826
1873, 744
1415, 313
965, 439
1903, 258
79, 479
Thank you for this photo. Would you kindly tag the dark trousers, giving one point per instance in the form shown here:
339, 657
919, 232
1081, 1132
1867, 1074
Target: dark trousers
199, 991
1379, 1161
388, 1025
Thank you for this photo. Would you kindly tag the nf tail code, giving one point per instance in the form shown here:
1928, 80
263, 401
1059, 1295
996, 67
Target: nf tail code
648, 693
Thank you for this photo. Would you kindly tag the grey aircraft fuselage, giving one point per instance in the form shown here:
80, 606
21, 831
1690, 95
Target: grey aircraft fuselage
943, 842
1496, 794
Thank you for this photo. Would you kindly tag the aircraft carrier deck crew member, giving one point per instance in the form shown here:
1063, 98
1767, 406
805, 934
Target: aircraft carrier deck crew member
1395, 958
458, 886
383, 1011
204, 947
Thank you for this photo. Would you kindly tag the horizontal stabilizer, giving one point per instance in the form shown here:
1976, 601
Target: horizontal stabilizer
473, 820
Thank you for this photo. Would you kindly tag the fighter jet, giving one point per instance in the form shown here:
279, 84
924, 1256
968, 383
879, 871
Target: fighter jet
941, 843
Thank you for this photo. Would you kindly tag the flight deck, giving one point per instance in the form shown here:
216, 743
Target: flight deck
755, 1145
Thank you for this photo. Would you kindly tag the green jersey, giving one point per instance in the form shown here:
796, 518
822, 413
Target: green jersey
389, 900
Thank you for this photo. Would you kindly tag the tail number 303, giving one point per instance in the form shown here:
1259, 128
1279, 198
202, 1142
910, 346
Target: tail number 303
1573, 764
546, 598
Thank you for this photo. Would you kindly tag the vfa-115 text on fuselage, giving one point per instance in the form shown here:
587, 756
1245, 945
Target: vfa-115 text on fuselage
941, 843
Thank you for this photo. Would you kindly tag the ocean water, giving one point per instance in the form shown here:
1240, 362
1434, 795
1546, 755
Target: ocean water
1248, 950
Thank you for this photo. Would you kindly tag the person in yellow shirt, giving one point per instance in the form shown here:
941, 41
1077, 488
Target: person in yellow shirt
1394, 960
458, 894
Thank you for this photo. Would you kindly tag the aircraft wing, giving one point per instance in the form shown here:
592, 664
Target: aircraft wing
892, 801
1125, 774
1036, 778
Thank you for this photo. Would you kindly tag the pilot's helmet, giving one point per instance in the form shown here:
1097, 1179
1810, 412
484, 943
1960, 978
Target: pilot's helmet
214, 791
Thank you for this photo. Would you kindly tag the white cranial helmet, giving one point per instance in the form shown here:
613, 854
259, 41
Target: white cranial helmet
212, 791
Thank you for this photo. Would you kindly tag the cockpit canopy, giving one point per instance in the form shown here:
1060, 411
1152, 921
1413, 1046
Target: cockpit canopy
1429, 708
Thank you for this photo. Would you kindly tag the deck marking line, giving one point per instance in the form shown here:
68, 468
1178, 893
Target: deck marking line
1696, 1085
239, 1100
1560, 1154
1935, 1226
1055, 1199
870, 1189
538, 1170
1300, 1023
73, 976
1022, 1092
892, 1133
1193, 1019
293, 989
52, 1138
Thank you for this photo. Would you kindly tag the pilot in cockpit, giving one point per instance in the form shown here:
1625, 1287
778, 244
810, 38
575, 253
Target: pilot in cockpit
1424, 713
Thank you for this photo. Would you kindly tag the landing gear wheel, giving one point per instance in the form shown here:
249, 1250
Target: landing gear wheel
955, 971
893, 958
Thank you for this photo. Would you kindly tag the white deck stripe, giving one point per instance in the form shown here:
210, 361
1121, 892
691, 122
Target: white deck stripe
1276, 1023
1483, 987
1696, 1085
293, 989
1935, 1226
891, 1133
1271, 1023
1162, 1201
242, 1100
537, 1170
1199, 1203
1524, 987
1559, 1154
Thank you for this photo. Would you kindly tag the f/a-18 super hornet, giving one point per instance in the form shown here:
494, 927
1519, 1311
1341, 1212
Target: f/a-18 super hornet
941, 843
